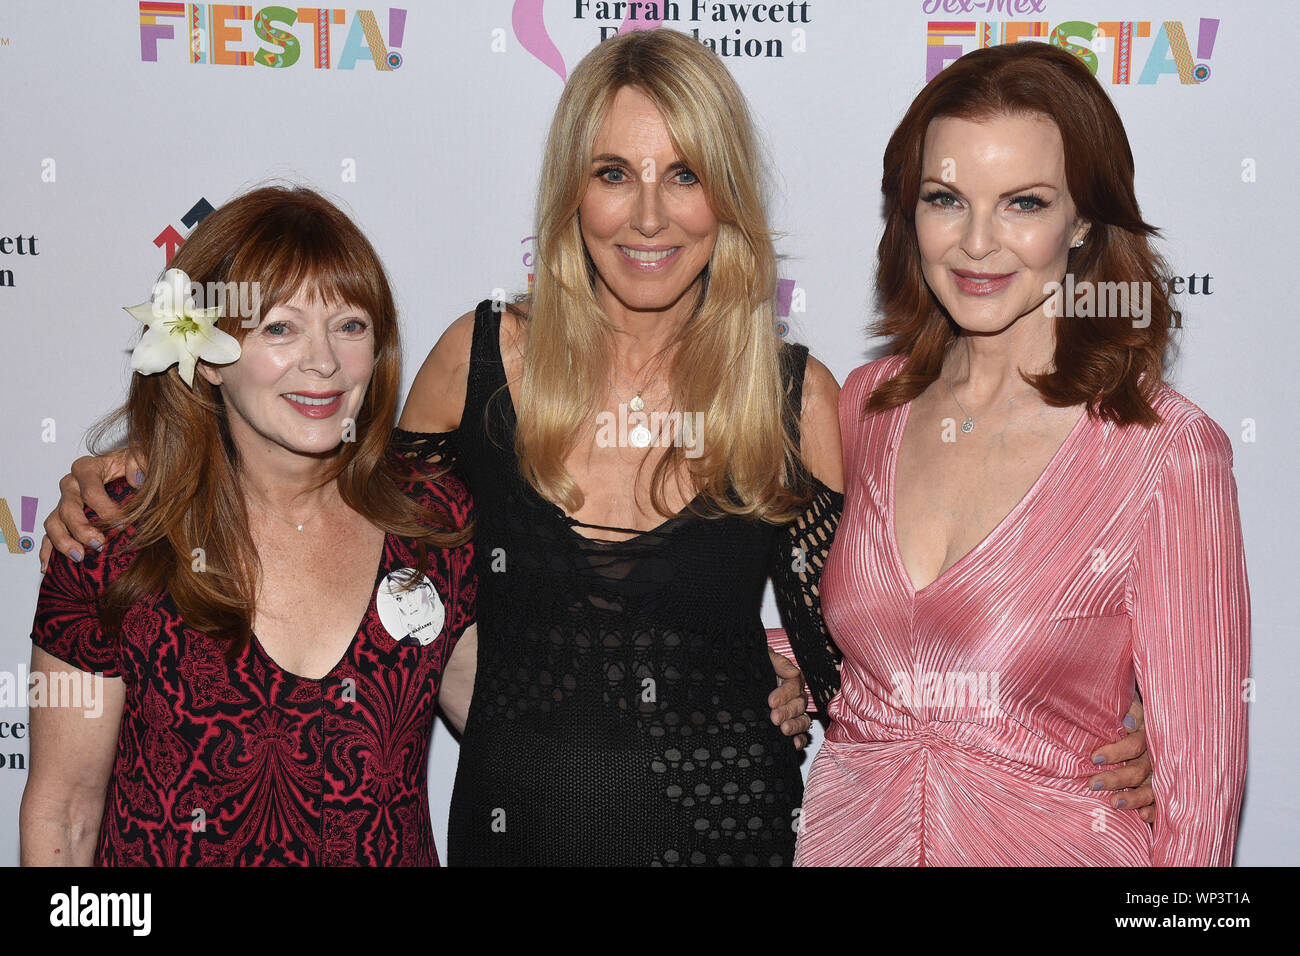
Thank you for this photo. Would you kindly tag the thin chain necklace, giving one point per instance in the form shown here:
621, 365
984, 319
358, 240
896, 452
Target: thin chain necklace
968, 425
640, 436
636, 402
293, 524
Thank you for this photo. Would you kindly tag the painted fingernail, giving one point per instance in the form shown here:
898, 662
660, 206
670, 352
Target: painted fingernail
74, 554
1119, 804
97, 545
1098, 758
1096, 785
139, 478
1130, 722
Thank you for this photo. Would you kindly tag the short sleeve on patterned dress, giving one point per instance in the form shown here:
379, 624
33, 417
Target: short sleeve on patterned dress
244, 763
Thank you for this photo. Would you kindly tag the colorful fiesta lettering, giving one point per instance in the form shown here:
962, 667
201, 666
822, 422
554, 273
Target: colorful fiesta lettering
16, 542
225, 34
1170, 51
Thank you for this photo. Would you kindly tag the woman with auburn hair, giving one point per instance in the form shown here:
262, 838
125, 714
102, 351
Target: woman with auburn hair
1034, 520
261, 699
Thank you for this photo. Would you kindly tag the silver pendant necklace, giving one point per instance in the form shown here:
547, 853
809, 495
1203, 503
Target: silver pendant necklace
636, 403
640, 436
968, 424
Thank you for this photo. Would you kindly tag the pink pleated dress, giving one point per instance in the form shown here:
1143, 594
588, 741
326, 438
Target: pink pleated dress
969, 710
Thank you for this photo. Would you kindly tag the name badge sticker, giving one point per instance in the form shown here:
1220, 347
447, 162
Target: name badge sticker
411, 615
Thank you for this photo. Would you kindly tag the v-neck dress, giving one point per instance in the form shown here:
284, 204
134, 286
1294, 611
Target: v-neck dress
969, 709
619, 715
247, 764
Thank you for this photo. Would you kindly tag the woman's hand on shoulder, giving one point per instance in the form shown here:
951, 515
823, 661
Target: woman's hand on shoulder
67, 528
820, 425
437, 396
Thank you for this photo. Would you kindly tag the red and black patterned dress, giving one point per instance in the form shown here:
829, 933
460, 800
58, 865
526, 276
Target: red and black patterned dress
248, 764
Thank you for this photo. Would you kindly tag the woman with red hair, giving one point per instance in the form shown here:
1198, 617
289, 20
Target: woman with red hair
259, 695
1033, 520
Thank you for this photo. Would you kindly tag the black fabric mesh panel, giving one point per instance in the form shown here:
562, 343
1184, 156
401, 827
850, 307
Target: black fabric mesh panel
619, 714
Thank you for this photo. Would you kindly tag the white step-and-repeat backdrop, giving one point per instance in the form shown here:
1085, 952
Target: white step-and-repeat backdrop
125, 122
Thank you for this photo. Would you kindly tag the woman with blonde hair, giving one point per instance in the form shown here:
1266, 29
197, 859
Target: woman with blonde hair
632, 436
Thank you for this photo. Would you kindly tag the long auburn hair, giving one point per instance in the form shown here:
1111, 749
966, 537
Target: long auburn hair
286, 240
728, 359
1102, 362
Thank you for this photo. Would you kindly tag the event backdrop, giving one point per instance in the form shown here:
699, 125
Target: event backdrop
126, 122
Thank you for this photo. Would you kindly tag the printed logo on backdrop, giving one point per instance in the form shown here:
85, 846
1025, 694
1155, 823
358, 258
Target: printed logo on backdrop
747, 30
231, 34
18, 245
790, 299
1197, 283
1121, 52
18, 538
170, 239
15, 758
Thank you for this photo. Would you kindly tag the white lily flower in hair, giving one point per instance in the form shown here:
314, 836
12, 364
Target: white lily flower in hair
177, 333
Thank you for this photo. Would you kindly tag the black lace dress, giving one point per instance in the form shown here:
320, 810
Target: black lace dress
619, 715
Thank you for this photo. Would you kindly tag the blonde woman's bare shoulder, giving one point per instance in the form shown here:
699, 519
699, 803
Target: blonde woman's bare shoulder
514, 337
437, 396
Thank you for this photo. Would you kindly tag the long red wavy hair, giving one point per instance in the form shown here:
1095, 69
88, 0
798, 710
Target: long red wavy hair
286, 240
1104, 363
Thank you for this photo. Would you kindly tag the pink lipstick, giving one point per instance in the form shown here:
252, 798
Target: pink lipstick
981, 283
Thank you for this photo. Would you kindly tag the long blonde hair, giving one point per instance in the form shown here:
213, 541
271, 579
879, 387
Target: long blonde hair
728, 360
